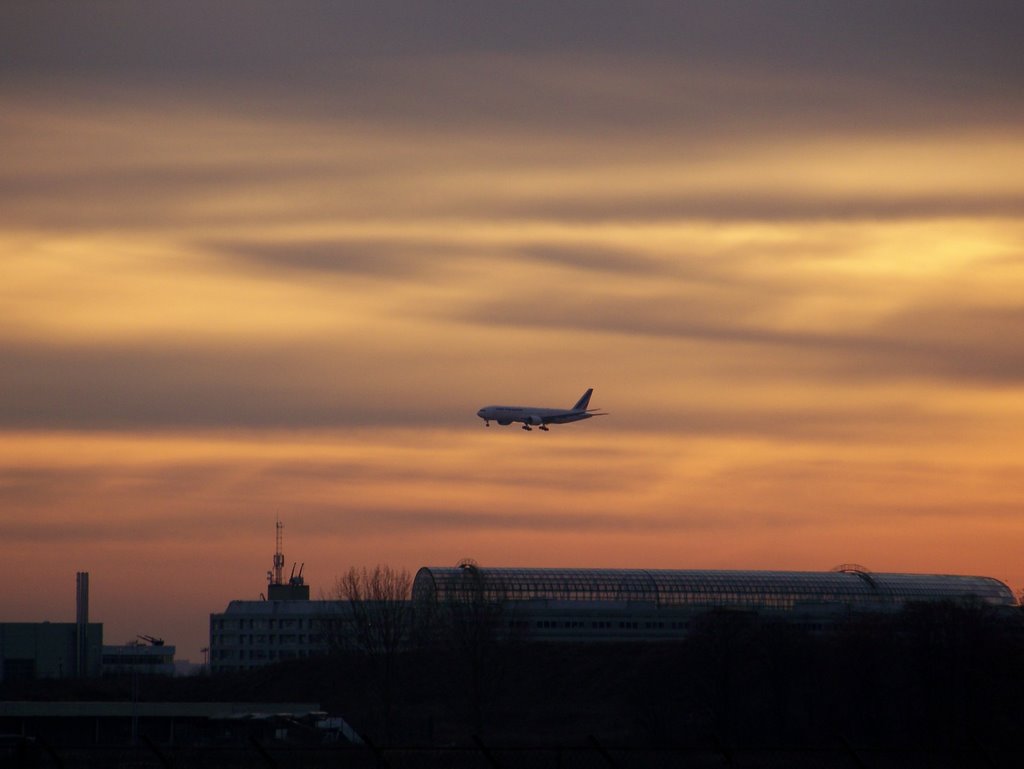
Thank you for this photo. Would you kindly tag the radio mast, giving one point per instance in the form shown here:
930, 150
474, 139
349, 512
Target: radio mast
295, 589
278, 554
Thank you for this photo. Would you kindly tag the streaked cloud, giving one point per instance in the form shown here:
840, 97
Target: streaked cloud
259, 261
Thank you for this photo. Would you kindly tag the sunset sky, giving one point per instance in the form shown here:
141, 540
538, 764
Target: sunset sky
266, 259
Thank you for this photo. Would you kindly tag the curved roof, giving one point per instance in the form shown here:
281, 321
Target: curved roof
756, 589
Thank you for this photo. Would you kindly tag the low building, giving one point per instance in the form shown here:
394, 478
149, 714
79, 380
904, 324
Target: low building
139, 659
33, 650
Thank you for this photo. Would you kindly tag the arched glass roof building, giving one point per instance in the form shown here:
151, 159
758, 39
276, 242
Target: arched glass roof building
847, 585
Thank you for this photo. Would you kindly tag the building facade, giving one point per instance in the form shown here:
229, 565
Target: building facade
250, 634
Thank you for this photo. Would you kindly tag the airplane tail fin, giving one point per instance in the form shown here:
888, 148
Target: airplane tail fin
584, 401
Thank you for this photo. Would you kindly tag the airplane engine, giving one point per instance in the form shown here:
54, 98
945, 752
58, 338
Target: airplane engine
533, 419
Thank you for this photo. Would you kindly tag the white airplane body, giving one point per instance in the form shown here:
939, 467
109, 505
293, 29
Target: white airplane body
541, 417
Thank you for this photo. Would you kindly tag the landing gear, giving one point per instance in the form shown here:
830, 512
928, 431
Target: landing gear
527, 428
544, 428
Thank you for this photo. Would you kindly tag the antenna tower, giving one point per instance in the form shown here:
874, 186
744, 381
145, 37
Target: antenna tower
279, 554
295, 589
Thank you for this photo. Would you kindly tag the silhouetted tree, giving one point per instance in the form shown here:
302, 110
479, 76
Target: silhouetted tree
378, 628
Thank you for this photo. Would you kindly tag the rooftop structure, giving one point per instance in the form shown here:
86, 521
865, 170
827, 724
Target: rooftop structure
296, 588
848, 585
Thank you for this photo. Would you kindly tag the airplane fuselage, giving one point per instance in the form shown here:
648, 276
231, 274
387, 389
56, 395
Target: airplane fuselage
538, 416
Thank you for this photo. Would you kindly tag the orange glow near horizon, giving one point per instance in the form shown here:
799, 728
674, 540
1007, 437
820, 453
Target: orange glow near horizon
220, 307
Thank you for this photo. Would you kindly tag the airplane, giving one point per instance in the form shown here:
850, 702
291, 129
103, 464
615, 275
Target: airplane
541, 417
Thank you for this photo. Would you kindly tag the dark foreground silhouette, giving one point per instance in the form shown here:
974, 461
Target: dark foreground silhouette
935, 685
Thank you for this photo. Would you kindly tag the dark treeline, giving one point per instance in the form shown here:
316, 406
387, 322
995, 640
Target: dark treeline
936, 674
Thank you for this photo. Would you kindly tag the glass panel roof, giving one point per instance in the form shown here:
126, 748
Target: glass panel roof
775, 589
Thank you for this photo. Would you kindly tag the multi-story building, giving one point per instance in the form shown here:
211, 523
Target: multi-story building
253, 633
